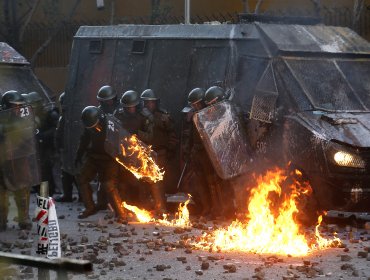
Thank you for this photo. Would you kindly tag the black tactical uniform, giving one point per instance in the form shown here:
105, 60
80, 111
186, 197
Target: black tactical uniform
196, 155
46, 118
163, 142
223, 190
107, 103
140, 122
12, 99
97, 162
67, 179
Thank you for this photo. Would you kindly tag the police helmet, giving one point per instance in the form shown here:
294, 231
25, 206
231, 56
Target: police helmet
25, 97
12, 97
148, 94
196, 95
61, 98
91, 116
106, 93
35, 97
214, 94
130, 99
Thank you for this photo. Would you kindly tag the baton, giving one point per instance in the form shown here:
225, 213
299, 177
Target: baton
182, 175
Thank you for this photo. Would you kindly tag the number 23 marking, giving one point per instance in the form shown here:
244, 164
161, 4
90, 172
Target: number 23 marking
24, 112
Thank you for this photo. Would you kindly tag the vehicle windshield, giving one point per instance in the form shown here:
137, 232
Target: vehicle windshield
333, 84
18, 78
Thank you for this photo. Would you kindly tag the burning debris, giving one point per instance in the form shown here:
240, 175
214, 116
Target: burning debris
142, 215
140, 160
182, 217
271, 225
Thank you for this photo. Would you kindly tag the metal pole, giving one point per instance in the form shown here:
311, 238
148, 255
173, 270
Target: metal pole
44, 189
44, 274
187, 11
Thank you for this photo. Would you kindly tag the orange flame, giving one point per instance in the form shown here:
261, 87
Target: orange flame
182, 217
271, 227
145, 166
323, 243
142, 215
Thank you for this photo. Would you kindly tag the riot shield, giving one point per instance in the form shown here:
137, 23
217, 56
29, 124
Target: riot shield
20, 165
224, 139
131, 152
114, 136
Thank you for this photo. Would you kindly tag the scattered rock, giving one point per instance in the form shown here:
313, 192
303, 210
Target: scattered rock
181, 259
160, 267
199, 272
84, 239
205, 265
362, 254
345, 258
231, 268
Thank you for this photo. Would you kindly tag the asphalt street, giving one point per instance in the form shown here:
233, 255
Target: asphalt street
150, 251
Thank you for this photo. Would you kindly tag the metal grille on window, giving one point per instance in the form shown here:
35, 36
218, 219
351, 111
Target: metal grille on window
263, 104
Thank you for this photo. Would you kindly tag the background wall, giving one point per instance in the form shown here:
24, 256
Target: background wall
49, 32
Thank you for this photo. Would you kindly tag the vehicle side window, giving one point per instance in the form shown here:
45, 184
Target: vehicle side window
264, 100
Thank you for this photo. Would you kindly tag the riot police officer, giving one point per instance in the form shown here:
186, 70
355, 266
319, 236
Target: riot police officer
107, 99
213, 95
163, 142
200, 163
68, 180
12, 100
134, 119
139, 121
97, 162
223, 189
46, 119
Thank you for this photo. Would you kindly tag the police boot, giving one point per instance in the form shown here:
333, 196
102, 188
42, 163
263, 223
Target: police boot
67, 184
4, 208
116, 202
215, 209
22, 200
101, 203
88, 201
159, 198
204, 200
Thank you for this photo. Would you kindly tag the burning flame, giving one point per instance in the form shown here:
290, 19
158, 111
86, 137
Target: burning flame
182, 217
142, 215
271, 226
323, 243
143, 165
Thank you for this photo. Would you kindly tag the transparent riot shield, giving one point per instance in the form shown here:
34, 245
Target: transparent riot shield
131, 152
20, 165
114, 136
224, 139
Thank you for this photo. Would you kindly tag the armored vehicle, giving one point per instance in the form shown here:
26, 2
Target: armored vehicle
16, 74
303, 90
20, 160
